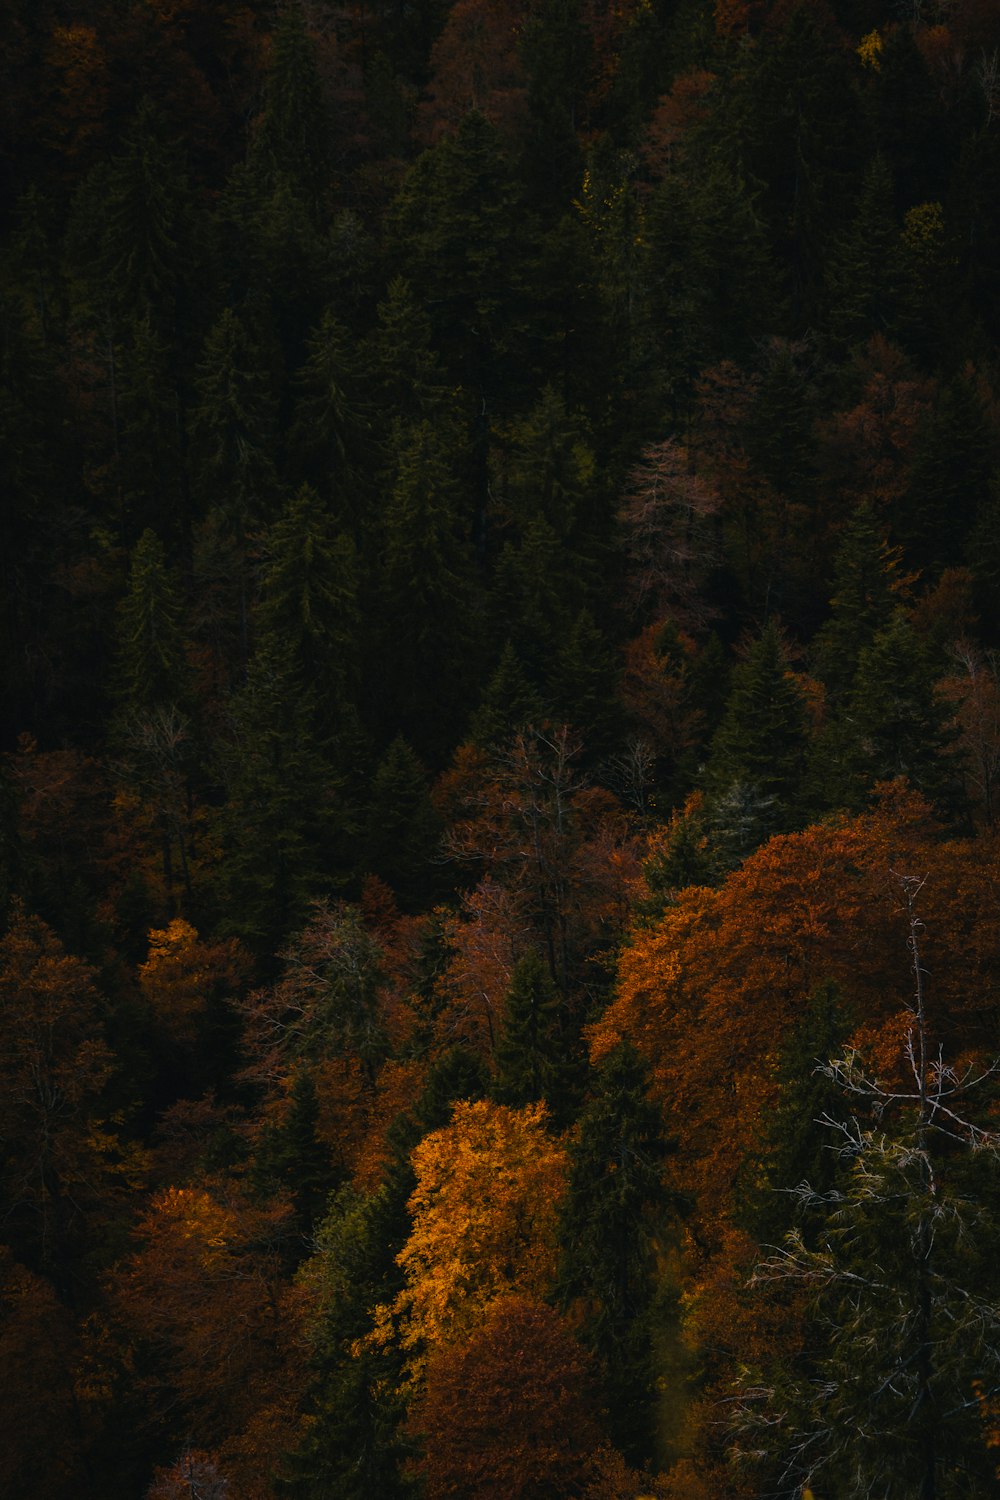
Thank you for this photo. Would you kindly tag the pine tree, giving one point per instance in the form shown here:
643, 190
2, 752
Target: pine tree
331, 429
508, 706
233, 426
860, 275
294, 132
282, 824
607, 1231
795, 1143
427, 591
953, 466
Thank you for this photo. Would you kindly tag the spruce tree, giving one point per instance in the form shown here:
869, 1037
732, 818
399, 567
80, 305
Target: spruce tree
607, 1233
509, 704
309, 599
860, 281
331, 430
866, 585
895, 724
761, 741
403, 829
151, 670
530, 1058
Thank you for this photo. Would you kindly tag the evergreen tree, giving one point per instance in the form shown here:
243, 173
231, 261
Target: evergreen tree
895, 724
509, 704
309, 599
866, 585
530, 1058
795, 1142
404, 829
294, 132
761, 741
144, 242
950, 482
427, 591
403, 360
557, 55
233, 426
293, 1158
282, 823
581, 684
331, 429
860, 276
607, 1231
151, 670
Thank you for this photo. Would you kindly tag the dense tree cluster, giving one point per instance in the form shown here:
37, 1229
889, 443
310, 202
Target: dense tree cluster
500, 770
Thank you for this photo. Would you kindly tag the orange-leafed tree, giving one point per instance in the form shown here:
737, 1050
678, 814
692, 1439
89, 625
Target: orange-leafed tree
484, 1223
709, 991
204, 1301
511, 1411
183, 976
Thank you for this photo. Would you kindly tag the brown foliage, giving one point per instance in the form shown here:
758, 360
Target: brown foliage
509, 1412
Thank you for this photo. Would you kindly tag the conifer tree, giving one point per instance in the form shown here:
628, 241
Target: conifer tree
950, 483
404, 830
895, 724
282, 820
233, 425
309, 598
607, 1232
509, 704
531, 1045
294, 131
860, 277
331, 429
761, 741
426, 590
795, 1143
293, 1157
866, 585
151, 669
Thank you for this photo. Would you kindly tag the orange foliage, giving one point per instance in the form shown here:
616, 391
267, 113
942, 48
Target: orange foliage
476, 65
181, 974
484, 1220
709, 991
677, 112
205, 1291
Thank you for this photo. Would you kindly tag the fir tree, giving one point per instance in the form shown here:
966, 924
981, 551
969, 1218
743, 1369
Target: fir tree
309, 598
895, 724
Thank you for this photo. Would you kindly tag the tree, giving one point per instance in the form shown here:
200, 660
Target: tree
331, 432
896, 724
761, 741
309, 598
61, 1165
509, 1412
668, 518
403, 828
530, 1065
607, 1236
484, 1218
904, 1302
152, 668
294, 131
866, 584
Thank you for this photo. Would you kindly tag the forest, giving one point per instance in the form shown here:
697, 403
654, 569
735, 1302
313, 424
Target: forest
500, 762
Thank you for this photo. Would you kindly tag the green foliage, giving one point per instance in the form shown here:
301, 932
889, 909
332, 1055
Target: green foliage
607, 1234
151, 668
403, 835
866, 585
530, 1058
761, 741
